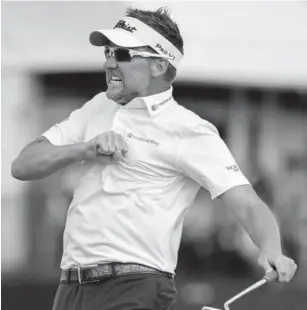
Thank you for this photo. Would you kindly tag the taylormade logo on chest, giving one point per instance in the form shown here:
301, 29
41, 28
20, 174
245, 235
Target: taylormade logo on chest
130, 135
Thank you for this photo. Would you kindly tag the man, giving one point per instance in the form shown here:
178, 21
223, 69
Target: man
144, 158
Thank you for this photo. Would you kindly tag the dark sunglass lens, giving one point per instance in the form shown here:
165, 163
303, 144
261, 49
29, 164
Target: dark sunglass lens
122, 54
107, 52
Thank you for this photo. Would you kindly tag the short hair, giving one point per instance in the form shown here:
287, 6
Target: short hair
161, 22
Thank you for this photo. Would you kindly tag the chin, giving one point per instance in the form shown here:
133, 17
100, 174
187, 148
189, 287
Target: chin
117, 97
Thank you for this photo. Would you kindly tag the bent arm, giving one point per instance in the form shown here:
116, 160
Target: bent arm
255, 216
40, 159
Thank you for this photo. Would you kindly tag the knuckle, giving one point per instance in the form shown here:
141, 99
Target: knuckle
97, 139
280, 259
117, 143
115, 134
283, 280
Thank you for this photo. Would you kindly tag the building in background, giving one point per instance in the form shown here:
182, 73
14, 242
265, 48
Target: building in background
244, 70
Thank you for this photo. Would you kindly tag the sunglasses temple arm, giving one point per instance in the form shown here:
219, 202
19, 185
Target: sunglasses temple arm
152, 55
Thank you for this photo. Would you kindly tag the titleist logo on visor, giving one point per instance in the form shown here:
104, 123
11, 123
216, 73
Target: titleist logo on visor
124, 25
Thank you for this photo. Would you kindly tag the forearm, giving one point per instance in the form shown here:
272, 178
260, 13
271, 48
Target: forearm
261, 226
40, 160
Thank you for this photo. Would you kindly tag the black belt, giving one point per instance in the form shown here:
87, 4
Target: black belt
97, 273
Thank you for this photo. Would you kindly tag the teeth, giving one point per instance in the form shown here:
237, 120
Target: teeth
115, 79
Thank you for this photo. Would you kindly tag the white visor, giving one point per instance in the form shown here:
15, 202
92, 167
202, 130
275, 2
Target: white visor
130, 32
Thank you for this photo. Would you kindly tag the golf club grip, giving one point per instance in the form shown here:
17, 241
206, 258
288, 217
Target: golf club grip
271, 276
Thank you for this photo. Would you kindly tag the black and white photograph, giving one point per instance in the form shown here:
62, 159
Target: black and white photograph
154, 155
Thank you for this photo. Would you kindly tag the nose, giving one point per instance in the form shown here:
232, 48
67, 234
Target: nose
110, 63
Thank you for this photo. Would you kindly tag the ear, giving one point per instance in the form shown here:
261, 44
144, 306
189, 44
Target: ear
158, 67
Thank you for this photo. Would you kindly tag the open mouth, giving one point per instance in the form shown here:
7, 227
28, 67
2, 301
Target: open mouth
115, 80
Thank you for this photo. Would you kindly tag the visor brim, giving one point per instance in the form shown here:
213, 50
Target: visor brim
117, 37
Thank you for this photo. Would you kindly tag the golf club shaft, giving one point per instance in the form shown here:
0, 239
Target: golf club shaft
244, 292
269, 277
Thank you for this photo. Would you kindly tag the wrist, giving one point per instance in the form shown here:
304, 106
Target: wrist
82, 151
271, 250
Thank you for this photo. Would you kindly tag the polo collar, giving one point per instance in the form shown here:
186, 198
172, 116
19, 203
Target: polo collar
154, 103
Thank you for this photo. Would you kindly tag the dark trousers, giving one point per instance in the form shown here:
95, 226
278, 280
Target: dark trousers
126, 292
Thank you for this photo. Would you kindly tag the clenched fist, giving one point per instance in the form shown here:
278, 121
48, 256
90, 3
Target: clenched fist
107, 146
284, 265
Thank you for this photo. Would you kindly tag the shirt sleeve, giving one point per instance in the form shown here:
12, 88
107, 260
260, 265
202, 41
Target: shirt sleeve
71, 130
205, 158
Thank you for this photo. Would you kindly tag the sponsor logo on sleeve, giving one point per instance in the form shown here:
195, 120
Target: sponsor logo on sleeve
233, 168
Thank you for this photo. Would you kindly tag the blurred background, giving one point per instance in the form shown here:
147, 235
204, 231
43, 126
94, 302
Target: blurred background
244, 69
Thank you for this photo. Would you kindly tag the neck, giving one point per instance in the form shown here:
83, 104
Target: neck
156, 87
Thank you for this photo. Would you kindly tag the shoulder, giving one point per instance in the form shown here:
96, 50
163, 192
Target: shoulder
192, 124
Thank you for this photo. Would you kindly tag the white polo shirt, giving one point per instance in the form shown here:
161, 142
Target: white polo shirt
133, 210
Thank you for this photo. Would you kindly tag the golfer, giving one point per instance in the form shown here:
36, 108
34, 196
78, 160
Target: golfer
144, 157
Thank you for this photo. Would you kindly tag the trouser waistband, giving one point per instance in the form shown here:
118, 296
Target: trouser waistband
96, 273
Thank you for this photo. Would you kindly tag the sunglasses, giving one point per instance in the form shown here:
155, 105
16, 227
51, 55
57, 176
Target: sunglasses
125, 54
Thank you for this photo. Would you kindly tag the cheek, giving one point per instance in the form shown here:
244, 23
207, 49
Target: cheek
137, 75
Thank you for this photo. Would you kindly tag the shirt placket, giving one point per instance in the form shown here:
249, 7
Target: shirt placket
118, 127
117, 124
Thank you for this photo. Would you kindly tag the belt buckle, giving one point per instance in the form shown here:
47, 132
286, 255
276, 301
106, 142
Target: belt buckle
79, 272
